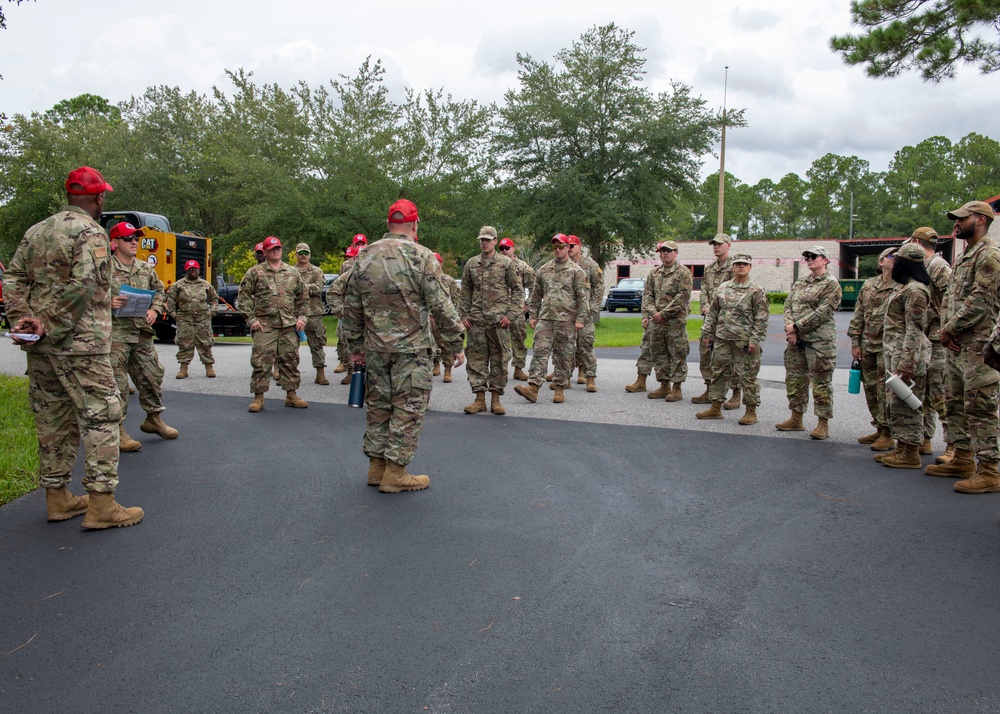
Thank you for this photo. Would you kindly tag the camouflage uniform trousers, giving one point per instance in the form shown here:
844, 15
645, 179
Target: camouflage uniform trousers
191, 333
669, 348
518, 336
557, 338
804, 364
75, 397
274, 345
585, 357
705, 364
934, 394
397, 389
644, 365
342, 355
139, 361
486, 356
876, 395
732, 364
972, 410
316, 337
441, 351
907, 424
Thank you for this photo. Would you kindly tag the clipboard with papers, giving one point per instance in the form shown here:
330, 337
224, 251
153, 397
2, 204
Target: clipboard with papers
137, 302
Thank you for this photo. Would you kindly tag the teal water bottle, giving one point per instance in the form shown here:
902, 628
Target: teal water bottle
854, 381
302, 335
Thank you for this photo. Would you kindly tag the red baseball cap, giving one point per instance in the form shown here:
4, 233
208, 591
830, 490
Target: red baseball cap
271, 242
360, 238
191, 264
572, 240
440, 259
405, 207
86, 181
506, 242
560, 238
352, 251
123, 230
259, 248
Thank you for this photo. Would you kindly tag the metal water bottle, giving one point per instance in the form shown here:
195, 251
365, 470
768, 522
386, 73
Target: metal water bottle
854, 380
356, 398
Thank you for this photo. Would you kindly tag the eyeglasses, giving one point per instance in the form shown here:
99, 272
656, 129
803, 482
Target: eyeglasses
127, 239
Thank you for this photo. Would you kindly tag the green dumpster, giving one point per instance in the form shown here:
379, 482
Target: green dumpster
849, 293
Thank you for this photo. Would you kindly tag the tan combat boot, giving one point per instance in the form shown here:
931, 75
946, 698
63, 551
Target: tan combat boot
346, 379
871, 438
702, 398
376, 467
821, 431
713, 412
639, 385
395, 479
884, 442
591, 384
749, 415
63, 505
674, 395
321, 376
479, 405
447, 374
495, 406
294, 400
660, 393
558, 397
153, 424
926, 448
104, 512
895, 452
734, 401
947, 456
792, 423
580, 377
962, 464
257, 404
520, 375
549, 376
340, 368
906, 457
125, 442
210, 371
182, 373
985, 480
530, 392
437, 370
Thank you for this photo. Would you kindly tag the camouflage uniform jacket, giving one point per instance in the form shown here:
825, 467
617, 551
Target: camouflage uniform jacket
335, 295
595, 281
560, 293
491, 290
61, 274
393, 291
192, 298
312, 278
715, 275
451, 287
940, 274
866, 326
810, 307
137, 275
667, 292
738, 313
970, 305
906, 318
527, 275
275, 296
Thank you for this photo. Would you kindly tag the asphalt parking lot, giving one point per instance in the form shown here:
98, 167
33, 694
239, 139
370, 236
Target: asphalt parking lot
610, 553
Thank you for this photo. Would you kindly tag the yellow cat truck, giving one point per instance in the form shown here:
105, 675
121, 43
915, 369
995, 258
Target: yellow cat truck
167, 252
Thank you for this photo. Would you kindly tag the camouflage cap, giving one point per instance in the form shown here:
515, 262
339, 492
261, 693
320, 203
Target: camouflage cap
887, 253
980, 207
913, 252
818, 250
743, 258
667, 244
302, 246
487, 233
925, 234
720, 238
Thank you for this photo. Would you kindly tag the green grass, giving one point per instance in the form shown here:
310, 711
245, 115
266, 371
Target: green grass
18, 444
625, 332
774, 309
328, 320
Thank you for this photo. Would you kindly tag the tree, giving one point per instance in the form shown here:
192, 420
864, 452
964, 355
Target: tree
930, 36
595, 152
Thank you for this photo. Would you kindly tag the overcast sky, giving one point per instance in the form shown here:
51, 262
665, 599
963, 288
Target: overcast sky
801, 101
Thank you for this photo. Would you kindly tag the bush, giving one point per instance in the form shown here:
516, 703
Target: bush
777, 298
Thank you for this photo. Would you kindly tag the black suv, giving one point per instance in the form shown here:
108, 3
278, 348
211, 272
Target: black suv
627, 294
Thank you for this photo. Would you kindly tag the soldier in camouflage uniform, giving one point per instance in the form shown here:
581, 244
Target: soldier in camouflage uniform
559, 307
666, 301
132, 351
192, 301
718, 272
393, 291
933, 398
491, 299
811, 350
736, 326
519, 328
442, 352
312, 278
906, 351
971, 389
274, 302
57, 287
335, 301
865, 332
586, 360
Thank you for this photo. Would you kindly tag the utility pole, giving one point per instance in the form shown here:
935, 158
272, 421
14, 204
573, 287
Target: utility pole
850, 230
722, 157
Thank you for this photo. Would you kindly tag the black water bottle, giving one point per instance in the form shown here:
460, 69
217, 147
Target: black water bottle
357, 396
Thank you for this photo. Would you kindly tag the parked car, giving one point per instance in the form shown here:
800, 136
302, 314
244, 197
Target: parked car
328, 279
627, 294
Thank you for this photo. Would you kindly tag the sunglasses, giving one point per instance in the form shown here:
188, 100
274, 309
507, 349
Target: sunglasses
127, 239
303, 252
505, 247
810, 256
557, 246
667, 250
